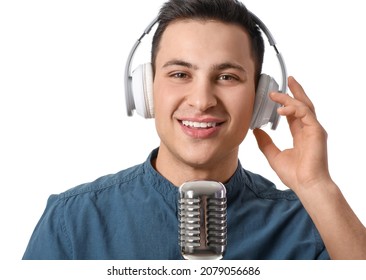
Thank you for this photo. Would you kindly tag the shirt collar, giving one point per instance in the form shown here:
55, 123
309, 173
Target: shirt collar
160, 183
167, 189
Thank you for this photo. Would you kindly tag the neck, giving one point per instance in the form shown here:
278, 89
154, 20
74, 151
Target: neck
178, 171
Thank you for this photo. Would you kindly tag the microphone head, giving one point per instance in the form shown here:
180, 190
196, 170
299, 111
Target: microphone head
202, 220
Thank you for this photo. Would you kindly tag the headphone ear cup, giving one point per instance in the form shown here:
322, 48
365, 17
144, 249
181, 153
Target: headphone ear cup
265, 110
142, 90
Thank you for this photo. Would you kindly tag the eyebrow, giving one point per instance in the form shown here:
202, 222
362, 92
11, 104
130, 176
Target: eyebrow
178, 62
228, 65
221, 66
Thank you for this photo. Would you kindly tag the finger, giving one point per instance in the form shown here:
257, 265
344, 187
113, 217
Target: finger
299, 93
283, 99
297, 113
289, 104
301, 113
266, 145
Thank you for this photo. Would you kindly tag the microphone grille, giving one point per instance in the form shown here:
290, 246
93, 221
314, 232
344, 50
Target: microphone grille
202, 220
216, 221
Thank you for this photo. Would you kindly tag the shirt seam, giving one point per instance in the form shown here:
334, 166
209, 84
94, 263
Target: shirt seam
274, 195
95, 186
64, 229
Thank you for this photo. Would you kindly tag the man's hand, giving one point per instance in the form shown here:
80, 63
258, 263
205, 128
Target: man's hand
304, 169
306, 163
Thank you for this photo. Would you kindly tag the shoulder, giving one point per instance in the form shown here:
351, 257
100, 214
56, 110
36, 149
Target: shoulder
108, 182
81, 209
275, 215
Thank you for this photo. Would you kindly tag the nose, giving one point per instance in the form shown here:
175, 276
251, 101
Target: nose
202, 95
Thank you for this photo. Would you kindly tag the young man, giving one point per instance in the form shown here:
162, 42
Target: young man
207, 57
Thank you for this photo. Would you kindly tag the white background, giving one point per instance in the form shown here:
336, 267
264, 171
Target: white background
62, 110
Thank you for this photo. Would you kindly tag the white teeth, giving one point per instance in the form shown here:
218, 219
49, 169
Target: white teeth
199, 124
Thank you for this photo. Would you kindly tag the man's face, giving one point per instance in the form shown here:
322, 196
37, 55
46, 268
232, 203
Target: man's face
204, 91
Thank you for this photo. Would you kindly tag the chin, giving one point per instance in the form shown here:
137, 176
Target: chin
202, 158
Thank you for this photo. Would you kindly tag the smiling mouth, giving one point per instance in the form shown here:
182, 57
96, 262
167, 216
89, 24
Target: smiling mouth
199, 125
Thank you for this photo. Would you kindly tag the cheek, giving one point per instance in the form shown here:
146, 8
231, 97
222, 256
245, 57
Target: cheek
161, 101
241, 108
158, 106
167, 98
165, 104
242, 117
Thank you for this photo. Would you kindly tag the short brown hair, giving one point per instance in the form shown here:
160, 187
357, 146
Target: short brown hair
227, 11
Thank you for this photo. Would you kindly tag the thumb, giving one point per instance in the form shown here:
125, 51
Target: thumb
266, 145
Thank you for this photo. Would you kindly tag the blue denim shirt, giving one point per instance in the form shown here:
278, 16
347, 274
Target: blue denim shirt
133, 215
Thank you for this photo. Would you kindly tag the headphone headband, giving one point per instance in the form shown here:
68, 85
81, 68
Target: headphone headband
130, 104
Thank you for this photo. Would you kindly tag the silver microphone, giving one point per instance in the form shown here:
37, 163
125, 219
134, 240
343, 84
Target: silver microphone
202, 220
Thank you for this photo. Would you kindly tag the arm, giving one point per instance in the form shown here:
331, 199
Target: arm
304, 169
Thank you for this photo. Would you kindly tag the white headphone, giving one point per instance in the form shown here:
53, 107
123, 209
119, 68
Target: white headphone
139, 85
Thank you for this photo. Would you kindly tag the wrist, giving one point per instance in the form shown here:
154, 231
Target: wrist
321, 184
317, 192
320, 198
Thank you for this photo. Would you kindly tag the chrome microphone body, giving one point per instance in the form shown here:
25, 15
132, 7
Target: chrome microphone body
202, 220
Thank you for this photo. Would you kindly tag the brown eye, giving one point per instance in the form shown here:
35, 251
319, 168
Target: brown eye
179, 75
227, 77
